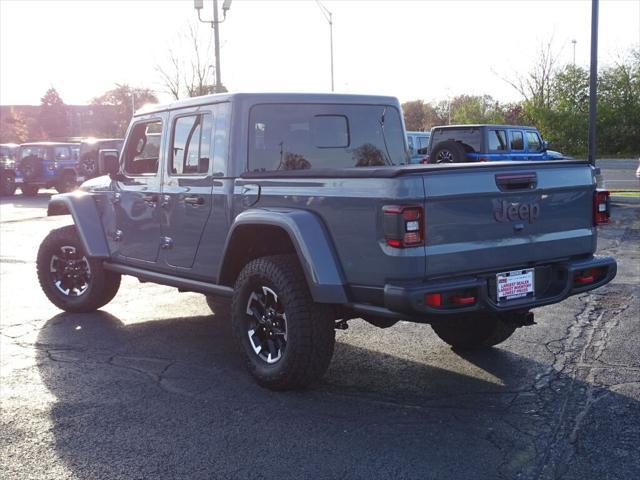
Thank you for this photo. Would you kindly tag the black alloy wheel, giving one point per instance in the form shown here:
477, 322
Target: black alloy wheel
70, 272
266, 324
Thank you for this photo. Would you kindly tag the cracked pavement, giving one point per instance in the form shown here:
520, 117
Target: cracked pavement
151, 386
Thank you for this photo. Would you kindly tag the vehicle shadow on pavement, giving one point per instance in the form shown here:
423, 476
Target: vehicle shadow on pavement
171, 399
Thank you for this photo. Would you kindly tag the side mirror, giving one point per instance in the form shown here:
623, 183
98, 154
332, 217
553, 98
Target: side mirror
108, 162
545, 145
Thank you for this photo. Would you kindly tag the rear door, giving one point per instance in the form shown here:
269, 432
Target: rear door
187, 186
499, 216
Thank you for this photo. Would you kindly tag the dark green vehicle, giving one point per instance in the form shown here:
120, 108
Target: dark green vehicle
8, 168
303, 211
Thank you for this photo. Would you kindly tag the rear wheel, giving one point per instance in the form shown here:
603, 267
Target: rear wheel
29, 190
70, 279
475, 331
7, 184
286, 339
448, 152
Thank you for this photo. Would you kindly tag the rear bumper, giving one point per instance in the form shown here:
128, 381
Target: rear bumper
554, 282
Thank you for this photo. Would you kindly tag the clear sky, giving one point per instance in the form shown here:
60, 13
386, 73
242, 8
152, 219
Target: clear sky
409, 49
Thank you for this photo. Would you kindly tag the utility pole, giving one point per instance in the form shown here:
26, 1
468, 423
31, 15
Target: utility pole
329, 17
593, 82
198, 5
574, 41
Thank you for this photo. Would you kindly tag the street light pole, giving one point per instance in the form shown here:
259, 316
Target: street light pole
574, 41
198, 4
329, 17
216, 41
593, 82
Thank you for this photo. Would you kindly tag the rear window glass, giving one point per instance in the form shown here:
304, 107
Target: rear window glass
468, 137
299, 137
40, 152
497, 140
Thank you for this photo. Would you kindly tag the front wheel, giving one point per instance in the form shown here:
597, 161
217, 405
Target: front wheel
72, 281
475, 331
67, 183
286, 339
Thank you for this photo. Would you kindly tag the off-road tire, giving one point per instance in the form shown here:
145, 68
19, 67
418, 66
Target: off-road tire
67, 183
29, 167
452, 152
103, 284
7, 184
475, 331
309, 326
88, 165
29, 190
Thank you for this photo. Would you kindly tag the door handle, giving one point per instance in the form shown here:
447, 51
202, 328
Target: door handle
194, 200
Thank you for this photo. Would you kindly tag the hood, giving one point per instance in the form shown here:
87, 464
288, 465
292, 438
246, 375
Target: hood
96, 184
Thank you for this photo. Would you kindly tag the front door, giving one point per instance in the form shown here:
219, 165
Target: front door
135, 236
186, 195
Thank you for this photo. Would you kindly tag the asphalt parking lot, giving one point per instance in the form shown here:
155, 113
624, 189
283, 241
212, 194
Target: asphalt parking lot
152, 387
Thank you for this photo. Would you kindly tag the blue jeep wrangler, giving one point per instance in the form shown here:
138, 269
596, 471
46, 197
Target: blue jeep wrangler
47, 165
302, 210
486, 143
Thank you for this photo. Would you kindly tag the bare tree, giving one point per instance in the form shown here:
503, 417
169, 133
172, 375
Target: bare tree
188, 72
535, 85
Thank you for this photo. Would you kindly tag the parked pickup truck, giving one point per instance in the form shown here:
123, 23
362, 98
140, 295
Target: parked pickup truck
301, 209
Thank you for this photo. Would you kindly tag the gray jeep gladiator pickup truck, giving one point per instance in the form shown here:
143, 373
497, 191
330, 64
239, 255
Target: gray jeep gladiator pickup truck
303, 210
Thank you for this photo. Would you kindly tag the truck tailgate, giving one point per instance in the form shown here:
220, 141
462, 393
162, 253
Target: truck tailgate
502, 216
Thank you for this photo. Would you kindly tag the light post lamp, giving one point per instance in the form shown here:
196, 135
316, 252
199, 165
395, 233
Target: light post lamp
329, 17
226, 5
574, 41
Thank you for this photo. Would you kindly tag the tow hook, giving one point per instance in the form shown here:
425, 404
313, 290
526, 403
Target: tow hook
341, 324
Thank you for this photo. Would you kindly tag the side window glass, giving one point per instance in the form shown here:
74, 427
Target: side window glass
61, 153
497, 141
190, 151
517, 142
423, 142
222, 114
534, 144
142, 151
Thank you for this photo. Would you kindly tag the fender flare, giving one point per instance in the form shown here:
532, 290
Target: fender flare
313, 246
82, 207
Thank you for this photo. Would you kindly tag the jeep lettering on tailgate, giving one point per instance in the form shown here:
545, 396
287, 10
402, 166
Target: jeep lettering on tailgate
511, 211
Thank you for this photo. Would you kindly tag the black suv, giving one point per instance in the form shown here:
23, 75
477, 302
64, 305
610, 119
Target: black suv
90, 149
8, 168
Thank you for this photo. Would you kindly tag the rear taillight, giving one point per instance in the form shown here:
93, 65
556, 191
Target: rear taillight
425, 159
403, 225
601, 207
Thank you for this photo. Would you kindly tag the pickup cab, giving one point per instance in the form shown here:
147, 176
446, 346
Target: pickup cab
303, 211
486, 143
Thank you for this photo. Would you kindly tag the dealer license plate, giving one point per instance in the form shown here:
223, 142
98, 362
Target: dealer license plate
515, 284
